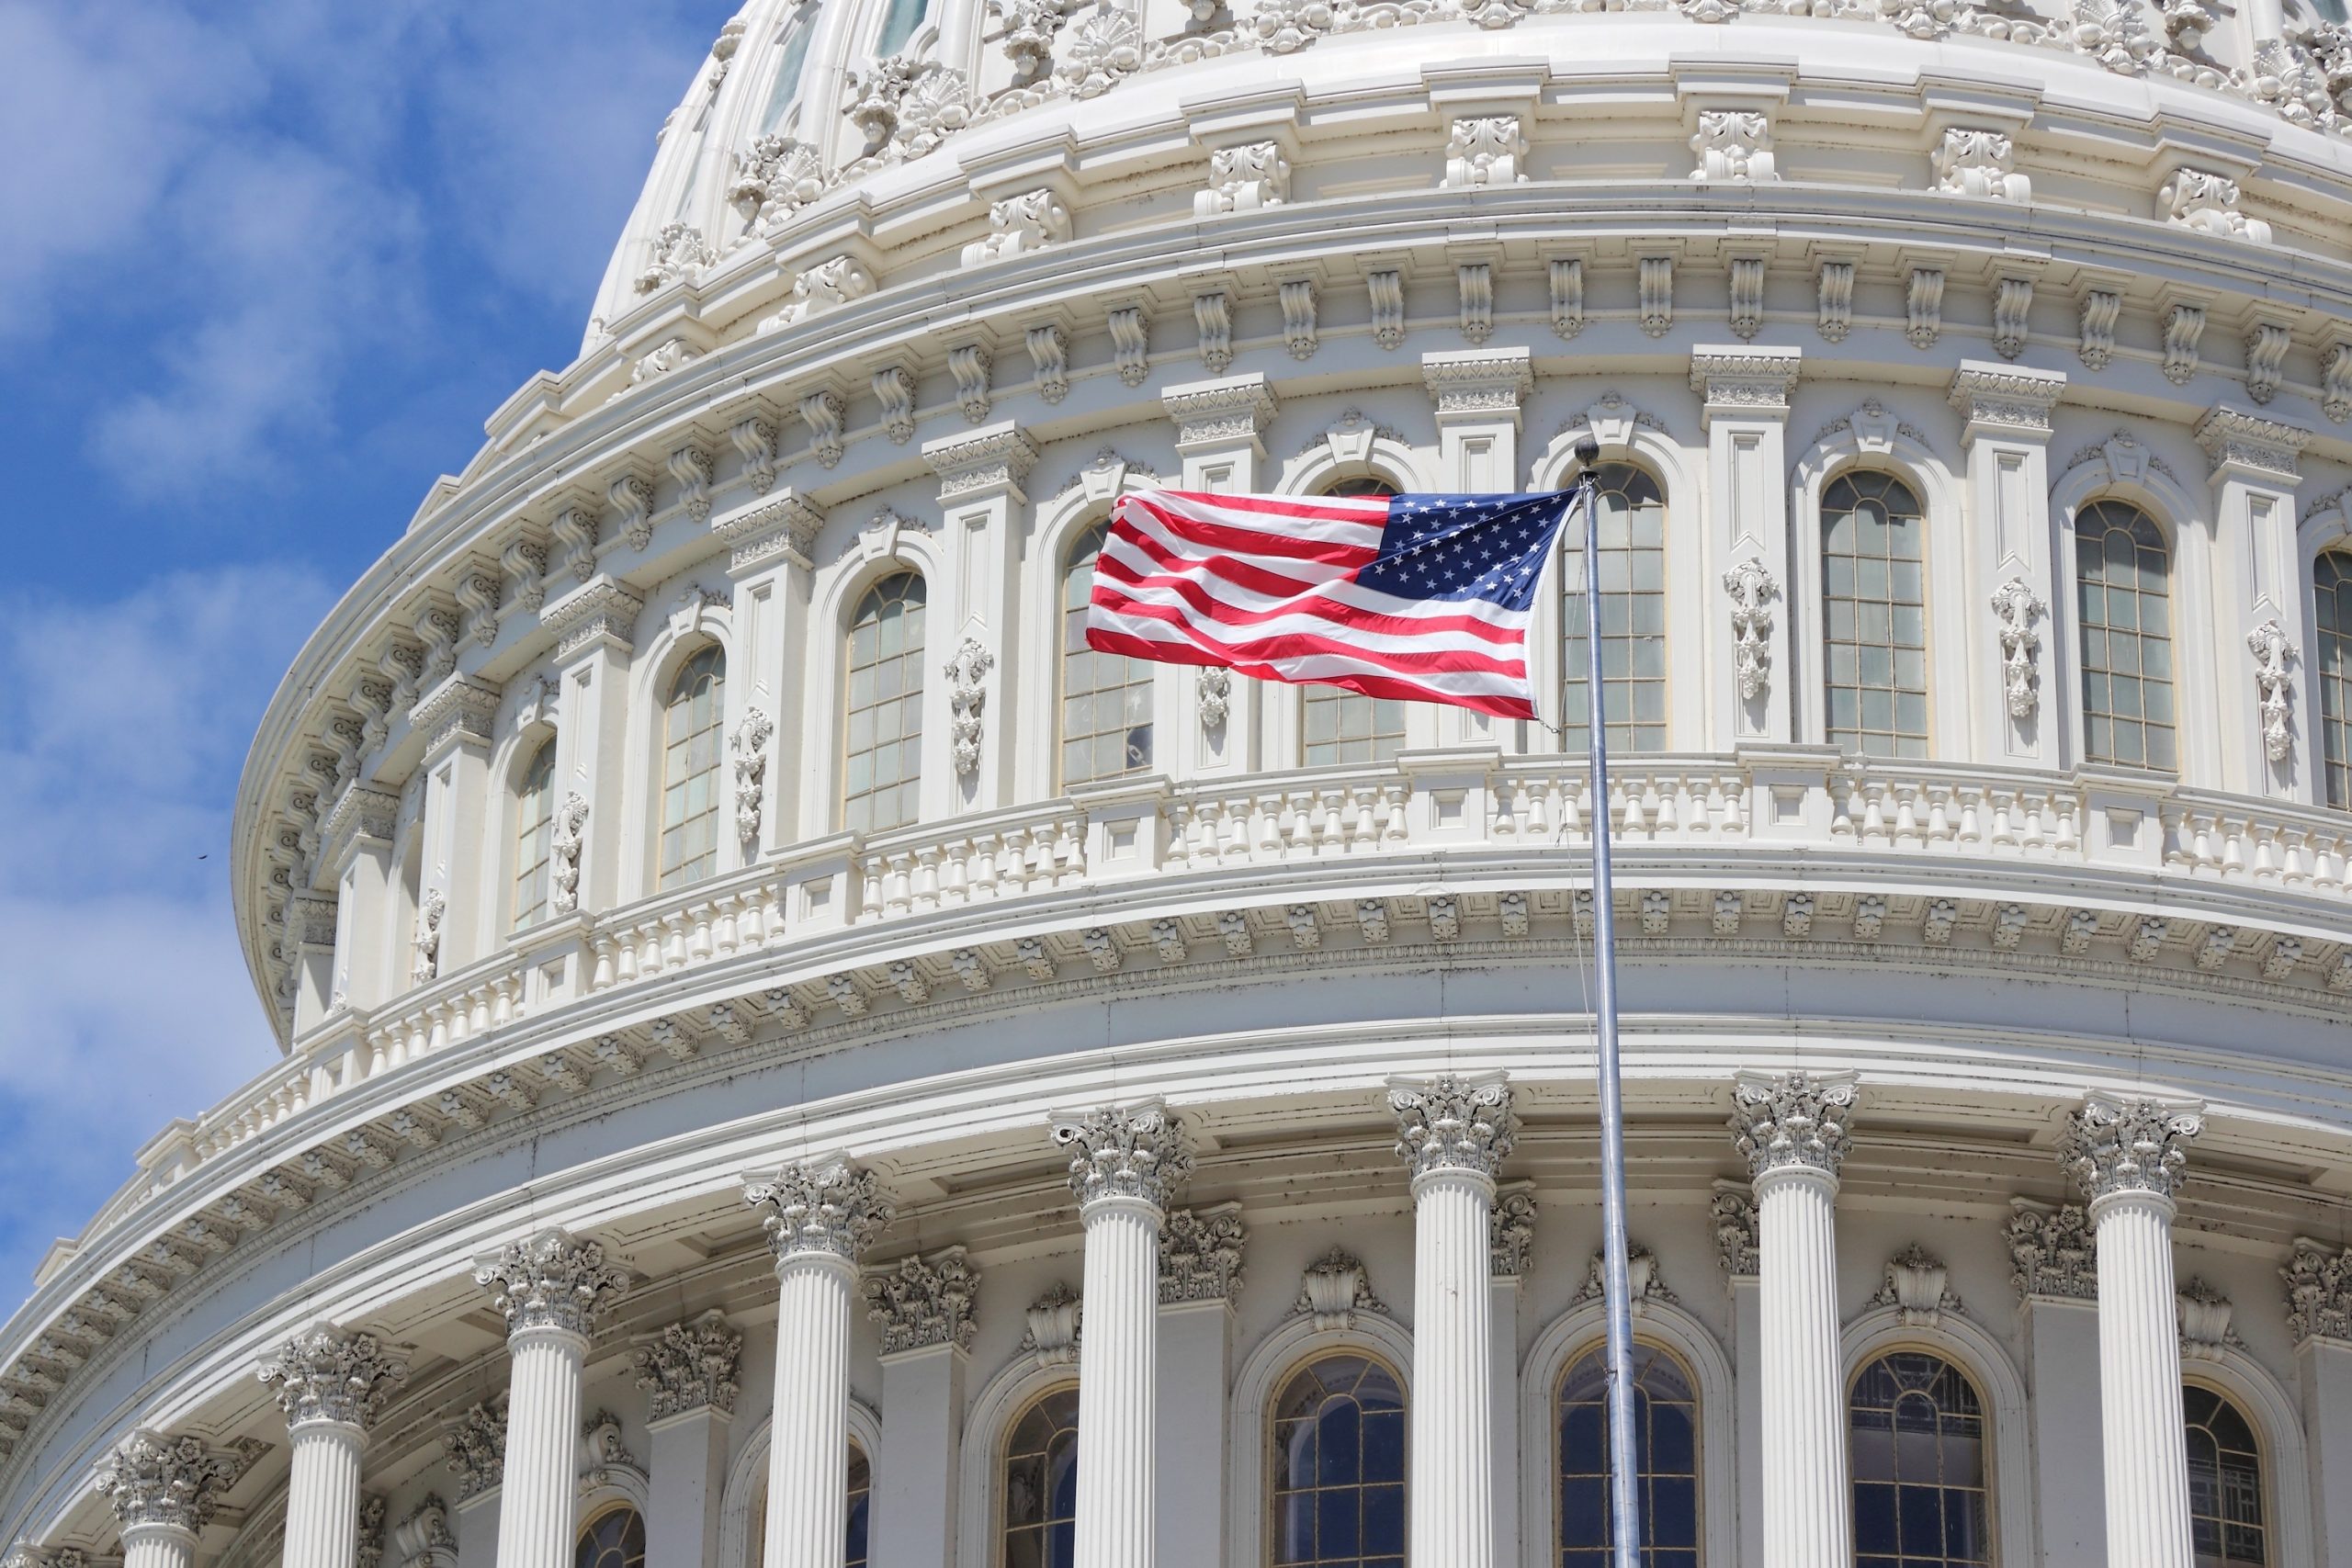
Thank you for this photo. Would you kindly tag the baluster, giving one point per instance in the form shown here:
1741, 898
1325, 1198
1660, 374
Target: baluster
1906, 812
1395, 826
2234, 848
2327, 864
1873, 826
2295, 854
722, 923
2036, 804
1635, 819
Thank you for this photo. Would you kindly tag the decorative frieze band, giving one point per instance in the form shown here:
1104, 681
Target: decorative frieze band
990, 461
2006, 400
601, 610
1746, 380
459, 707
1481, 382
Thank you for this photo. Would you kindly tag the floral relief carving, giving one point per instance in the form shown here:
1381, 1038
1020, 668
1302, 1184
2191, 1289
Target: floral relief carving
820, 1206
2016, 607
323, 1374
1733, 144
1335, 1288
2128, 1146
749, 744
679, 256
1644, 1282
1735, 1234
152, 1479
475, 1448
1751, 589
1796, 1121
2319, 1291
2273, 686
431, 908
552, 1281
1916, 1288
1489, 151
967, 700
1511, 1231
1244, 179
1971, 162
2208, 202
2052, 1252
774, 177
1055, 1322
566, 837
1124, 1151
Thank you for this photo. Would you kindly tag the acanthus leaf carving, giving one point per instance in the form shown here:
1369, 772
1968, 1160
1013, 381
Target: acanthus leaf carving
1124, 1151
1200, 1256
925, 1302
2274, 686
691, 1367
1793, 1120
2016, 607
1334, 1289
967, 700
323, 1374
750, 745
2112, 1145
1453, 1124
1751, 588
824, 1205
552, 1281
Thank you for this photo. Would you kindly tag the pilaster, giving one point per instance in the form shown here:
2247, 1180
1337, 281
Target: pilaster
1220, 427
689, 1375
925, 1308
357, 844
1746, 416
455, 719
595, 628
2054, 1266
768, 564
2319, 1315
1200, 1277
2013, 701
2261, 622
1478, 394
1510, 1237
979, 487
1736, 1249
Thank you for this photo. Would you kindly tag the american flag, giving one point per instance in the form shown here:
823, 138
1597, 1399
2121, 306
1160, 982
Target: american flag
1424, 597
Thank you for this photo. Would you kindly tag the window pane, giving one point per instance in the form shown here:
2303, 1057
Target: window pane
1040, 1482
614, 1538
1631, 578
1338, 1465
1106, 697
1876, 617
882, 706
1917, 1430
533, 836
1666, 1416
690, 754
2224, 1482
2332, 586
2121, 566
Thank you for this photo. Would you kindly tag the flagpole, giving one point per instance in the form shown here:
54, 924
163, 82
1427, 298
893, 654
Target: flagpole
1624, 1492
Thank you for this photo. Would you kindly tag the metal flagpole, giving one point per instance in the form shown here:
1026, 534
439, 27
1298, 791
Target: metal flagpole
1624, 1493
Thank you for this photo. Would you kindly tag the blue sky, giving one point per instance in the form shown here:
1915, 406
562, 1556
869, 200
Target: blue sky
265, 268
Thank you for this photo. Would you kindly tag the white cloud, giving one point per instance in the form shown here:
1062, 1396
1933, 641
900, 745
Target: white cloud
123, 997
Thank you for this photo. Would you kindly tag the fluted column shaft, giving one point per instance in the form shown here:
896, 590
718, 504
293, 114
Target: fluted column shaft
322, 1495
1118, 1380
159, 1545
1452, 1521
2139, 1383
808, 1438
1808, 1514
537, 1487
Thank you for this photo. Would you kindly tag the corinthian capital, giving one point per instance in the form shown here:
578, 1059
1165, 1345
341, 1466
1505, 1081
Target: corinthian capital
824, 1206
1135, 1151
1793, 1120
692, 1367
2128, 1146
166, 1483
1453, 1124
323, 1374
925, 1302
553, 1280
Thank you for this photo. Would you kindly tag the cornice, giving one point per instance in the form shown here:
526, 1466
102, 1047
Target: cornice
1753, 381
462, 708
1480, 381
2004, 399
1232, 410
987, 462
2254, 445
785, 526
599, 611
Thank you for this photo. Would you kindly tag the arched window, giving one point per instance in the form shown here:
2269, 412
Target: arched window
1041, 1484
1339, 1466
1666, 1454
882, 750
2332, 618
1106, 697
1633, 616
899, 24
2122, 578
1343, 726
861, 1492
534, 835
614, 1539
690, 769
1920, 1465
1873, 596
2224, 1483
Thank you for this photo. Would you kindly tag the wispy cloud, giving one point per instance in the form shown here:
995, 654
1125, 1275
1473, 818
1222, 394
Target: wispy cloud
123, 997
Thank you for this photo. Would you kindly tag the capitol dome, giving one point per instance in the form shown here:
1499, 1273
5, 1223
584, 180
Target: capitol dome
791, 1061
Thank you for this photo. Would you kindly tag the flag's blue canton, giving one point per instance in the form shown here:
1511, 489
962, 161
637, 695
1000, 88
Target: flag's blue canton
1466, 547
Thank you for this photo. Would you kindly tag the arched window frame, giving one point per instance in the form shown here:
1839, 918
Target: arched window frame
1954, 702
2009, 1464
883, 549
1266, 1436
529, 742
1688, 619
725, 854
2278, 1426
1314, 471
664, 648
592, 1516
2323, 531
994, 1411
1554, 1350
747, 1478
1176, 742
2194, 638
1259, 1382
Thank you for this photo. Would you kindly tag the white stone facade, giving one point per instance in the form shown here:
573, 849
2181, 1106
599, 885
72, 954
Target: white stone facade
605, 862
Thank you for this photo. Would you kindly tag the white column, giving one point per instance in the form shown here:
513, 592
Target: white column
1792, 1130
1124, 1163
551, 1289
924, 1306
2319, 1315
1453, 1132
2128, 1155
330, 1385
2053, 1257
355, 844
2004, 430
164, 1491
824, 1213
1220, 427
1745, 419
2257, 601
1200, 1275
690, 1374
